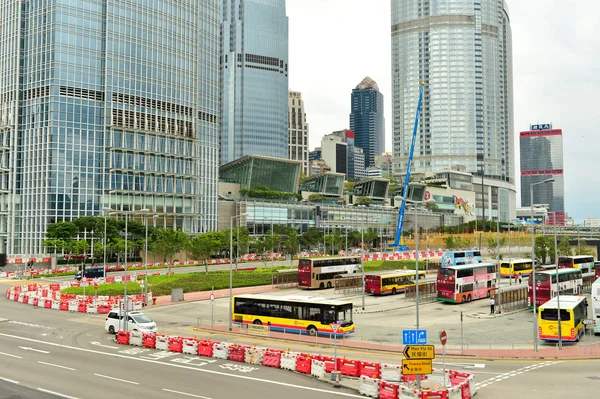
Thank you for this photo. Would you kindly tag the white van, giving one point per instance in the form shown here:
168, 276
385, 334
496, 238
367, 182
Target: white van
136, 321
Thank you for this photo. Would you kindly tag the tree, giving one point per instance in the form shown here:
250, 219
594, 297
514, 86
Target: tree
494, 244
311, 238
62, 230
564, 247
365, 201
204, 246
291, 242
168, 242
55, 245
316, 198
543, 246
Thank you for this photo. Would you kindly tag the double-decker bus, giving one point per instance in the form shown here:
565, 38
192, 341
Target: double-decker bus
573, 312
458, 284
596, 270
295, 314
547, 285
516, 267
596, 305
584, 263
391, 282
456, 258
321, 272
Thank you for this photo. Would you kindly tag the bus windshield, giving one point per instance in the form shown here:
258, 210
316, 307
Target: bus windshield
552, 314
565, 262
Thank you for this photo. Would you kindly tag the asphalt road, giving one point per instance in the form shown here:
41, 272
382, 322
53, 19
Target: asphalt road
71, 355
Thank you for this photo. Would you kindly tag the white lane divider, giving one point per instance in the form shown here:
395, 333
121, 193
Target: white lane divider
9, 355
8, 380
116, 379
186, 394
56, 394
25, 348
104, 346
56, 365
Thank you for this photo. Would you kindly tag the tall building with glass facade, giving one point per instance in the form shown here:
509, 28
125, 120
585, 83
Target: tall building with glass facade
462, 50
254, 73
298, 145
542, 159
107, 104
366, 119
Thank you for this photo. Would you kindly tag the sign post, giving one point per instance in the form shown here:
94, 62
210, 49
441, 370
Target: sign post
334, 328
443, 340
212, 309
418, 360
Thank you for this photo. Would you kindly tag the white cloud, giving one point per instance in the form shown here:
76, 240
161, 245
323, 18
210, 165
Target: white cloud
334, 44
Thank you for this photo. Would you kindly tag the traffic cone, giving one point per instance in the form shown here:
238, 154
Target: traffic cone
337, 380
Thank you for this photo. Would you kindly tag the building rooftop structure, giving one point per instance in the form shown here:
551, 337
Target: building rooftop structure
279, 174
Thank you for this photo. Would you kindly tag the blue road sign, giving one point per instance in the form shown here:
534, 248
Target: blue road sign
414, 337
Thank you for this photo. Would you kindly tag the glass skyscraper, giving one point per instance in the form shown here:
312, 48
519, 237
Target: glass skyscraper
254, 73
462, 50
107, 104
367, 121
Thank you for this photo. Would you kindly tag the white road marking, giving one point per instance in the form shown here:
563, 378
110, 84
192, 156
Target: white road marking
9, 380
25, 348
186, 394
513, 373
116, 379
244, 377
56, 365
104, 346
56, 393
9, 355
31, 325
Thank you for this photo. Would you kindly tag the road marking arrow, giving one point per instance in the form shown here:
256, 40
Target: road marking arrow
32, 349
104, 346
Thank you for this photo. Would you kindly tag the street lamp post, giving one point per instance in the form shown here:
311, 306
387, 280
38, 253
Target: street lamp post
146, 262
533, 285
557, 286
362, 246
105, 209
231, 264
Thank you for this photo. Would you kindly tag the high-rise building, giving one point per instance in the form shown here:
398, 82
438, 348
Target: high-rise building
367, 121
107, 104
356, 156
462, 51
542, 159
254, 79
298, 145
334, 151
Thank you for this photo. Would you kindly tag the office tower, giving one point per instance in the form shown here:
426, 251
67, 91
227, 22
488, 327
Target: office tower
462, 50
542, 159
334, 151
298, 145
367, 121
254, 79
107, 104
355, 155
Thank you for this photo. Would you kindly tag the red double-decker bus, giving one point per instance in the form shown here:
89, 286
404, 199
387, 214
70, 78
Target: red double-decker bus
547, 285
321, 272
596, 270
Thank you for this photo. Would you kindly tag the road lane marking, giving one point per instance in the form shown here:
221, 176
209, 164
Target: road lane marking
56, 365
37, 326
25, 348
186, 394
9, 380
116, 379
56, 394
9, 355
244, 377
104, 346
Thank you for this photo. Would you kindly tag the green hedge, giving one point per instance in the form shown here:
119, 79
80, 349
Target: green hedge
113, 289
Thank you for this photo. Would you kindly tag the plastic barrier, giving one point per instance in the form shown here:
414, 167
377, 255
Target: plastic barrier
349, 367
176, 344
137, 306
369, 369
149, 340
123, 338
220, 350
205, 348
303, 363
406, 393
272, 358
35, 301
455, 393
237, 353
135, 338
317, 368
26, 299
73, 306
82, 307
465, 381
48, 303
56, 305
388, 390
110, 279
103, 308
370, 387
288, 361
434, 394
329, 363
162, 343
92, 308
254, 355
391, 372
412, 378
190, 346
20, 297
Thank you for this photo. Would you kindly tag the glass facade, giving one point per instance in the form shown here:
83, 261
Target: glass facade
119, 108
252, 171
367, 121
298, 144
462, 50
254, 74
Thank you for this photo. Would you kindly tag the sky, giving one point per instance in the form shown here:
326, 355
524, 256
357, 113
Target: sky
334, 44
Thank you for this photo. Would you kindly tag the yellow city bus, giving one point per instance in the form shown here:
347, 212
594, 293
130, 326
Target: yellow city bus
516, 267
573, 312
294, 314
390, 282
585, 263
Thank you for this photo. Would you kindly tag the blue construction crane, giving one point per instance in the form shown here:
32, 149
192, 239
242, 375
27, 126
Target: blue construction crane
397, 242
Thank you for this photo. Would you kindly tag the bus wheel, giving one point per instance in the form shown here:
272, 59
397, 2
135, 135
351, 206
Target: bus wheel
394, 291
469, 298
329, 284
312, 331
321, 286
258, 322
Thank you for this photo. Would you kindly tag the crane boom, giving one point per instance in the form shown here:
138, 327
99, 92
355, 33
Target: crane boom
397, 242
